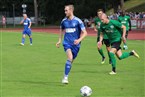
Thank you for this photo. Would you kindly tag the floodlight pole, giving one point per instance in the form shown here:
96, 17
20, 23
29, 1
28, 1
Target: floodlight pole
24, 6
13, 14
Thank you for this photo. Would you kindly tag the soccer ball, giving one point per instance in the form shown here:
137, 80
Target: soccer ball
86, 91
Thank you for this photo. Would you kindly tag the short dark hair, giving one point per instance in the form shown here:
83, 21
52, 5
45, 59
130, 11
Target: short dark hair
100, 10
70, 6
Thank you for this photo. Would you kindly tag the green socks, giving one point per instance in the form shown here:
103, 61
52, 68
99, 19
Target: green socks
124, 55
101, 53
113, 60
112, 56
109, 56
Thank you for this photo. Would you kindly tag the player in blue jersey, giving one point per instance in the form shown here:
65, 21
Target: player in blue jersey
71, 27
27, 29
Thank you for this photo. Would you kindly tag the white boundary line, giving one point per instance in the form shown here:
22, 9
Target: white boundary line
1, 63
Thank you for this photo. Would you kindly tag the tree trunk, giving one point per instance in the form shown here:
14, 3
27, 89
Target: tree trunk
122, 4
115, 6
36, 12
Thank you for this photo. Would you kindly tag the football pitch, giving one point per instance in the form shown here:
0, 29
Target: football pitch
37, 70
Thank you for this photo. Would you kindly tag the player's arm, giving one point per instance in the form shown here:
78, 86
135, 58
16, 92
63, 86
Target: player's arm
30, 25
100, 41
120, 26
62, 30
84, 34
22, 22
101, 37
60, 38
95, 26
95, 29
101, 34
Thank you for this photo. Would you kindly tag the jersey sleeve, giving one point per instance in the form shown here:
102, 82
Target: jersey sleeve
128, 18
101, 29
119, 19
29, 20
62, 25
95, 21
117, 24
81, 25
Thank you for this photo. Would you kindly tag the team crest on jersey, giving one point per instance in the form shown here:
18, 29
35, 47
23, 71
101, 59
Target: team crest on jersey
99, 23
74, 24
111, 26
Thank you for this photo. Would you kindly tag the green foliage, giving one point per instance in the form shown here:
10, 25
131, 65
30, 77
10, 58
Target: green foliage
132, 6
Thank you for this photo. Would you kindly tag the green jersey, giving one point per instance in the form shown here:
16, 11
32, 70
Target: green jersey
97, 24
113, 30
125, 21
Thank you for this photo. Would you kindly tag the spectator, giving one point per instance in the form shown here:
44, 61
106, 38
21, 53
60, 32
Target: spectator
133, 15
86, 21
3, 22
144, 15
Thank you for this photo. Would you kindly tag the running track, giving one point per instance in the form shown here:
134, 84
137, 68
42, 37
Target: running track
138, 34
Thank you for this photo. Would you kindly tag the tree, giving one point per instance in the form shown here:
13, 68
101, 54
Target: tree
36, 12
122, 4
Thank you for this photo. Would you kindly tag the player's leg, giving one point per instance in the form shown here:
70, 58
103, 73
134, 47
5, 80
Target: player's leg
124, 55
125, 47
29, 33
108, 48
30, 39
126, 36
113, 60
100, 50
71, 55
23, 38
68, 65
68, 62
115, 46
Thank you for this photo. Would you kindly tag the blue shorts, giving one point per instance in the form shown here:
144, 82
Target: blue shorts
27, 32
74, 48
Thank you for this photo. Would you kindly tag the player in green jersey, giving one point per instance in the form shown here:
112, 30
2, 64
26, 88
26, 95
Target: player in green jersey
113, 29
105, 38
125, 20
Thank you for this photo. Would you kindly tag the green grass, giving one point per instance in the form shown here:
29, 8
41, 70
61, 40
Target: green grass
36, 71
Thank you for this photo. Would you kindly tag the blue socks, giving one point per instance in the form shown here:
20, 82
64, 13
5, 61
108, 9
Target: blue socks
23, 40
30, 40
67, 67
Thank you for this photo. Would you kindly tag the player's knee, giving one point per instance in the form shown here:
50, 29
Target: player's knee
98, 47
108, 49
23, 36
112, 51
70, 59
